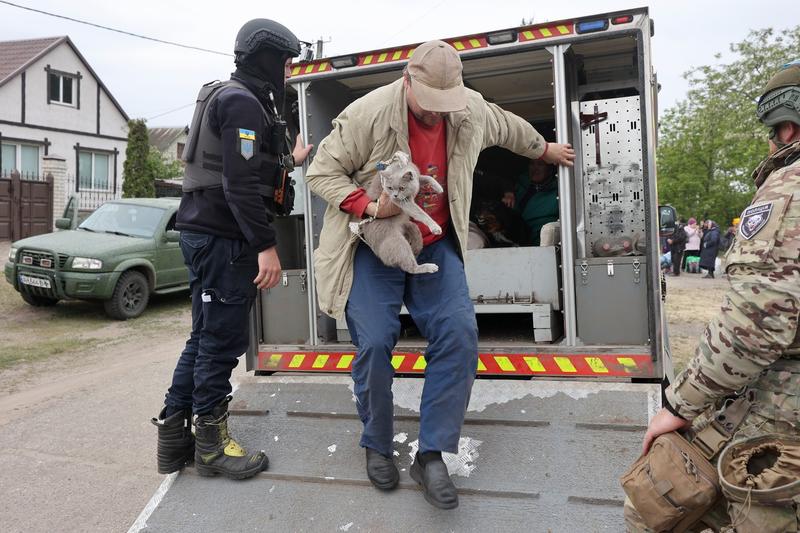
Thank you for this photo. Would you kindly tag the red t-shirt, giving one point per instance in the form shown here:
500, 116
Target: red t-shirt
429, 152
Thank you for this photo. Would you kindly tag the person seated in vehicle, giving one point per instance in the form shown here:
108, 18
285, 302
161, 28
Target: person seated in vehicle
535, 197
499, 224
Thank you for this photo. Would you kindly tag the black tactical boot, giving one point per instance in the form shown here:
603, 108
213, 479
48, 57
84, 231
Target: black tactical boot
175, 440
381, 470
217, 453
431, 473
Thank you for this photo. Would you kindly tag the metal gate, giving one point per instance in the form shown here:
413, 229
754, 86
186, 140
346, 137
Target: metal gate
26, 207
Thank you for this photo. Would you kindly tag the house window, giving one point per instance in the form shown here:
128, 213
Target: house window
181, 146
93, 170
21, 157
60, 88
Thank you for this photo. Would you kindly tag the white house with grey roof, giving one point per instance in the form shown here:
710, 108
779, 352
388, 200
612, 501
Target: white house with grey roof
53, 103
169, 141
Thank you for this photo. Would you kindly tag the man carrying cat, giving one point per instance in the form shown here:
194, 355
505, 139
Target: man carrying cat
429, 114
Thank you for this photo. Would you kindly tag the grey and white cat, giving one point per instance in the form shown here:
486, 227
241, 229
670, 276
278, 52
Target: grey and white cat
397, 240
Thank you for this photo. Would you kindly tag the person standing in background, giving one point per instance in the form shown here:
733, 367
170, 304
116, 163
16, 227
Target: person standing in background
692, 238
709, 247
676, 243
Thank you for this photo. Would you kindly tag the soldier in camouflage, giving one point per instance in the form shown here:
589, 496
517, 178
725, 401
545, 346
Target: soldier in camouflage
753, 344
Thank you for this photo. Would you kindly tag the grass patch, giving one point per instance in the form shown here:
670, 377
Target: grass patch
39, 350
31, 335
9, 297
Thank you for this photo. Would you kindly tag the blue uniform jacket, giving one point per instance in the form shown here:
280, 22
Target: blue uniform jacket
235, 211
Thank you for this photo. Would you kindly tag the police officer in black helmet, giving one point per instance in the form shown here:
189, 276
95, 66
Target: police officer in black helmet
236, 156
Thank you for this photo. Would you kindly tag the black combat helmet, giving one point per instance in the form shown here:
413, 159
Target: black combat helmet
780, 99
259, 34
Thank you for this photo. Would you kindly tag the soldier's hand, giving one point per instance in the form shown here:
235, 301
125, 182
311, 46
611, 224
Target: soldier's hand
559, 154
663, 422
269, 269
300, 152
508, 199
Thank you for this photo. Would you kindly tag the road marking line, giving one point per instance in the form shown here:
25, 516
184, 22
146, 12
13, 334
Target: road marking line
155, 500
141, 520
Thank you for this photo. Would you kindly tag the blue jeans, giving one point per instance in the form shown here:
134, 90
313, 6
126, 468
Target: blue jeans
221, 273
442, 310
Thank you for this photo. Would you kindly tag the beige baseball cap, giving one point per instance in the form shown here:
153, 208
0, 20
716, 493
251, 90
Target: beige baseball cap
435, 71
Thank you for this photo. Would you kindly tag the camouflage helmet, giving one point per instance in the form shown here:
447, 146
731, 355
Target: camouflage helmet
780, 99
259, 34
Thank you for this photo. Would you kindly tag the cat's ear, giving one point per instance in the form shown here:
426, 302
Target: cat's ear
408, 176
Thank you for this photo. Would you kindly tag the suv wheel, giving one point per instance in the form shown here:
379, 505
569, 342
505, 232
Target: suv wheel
38, 301
130, 296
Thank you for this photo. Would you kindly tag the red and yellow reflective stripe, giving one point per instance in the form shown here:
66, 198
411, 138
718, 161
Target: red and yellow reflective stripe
462, 44
545, 31
314, 67
385, 56
468, 43
493, 364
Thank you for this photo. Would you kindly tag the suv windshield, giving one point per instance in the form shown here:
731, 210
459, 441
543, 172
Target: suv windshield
124, 219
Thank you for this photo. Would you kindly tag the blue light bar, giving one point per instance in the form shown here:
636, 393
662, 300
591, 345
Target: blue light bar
591, 26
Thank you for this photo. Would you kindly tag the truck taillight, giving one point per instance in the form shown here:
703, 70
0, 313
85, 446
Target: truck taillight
344, 61
502, 37
624, 19
591, 26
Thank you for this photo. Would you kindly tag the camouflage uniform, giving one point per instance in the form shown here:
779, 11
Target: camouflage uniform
753, 343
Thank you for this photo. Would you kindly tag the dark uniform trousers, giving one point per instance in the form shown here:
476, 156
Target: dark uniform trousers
221, 273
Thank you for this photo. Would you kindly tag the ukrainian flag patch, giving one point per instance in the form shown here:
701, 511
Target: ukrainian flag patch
250, 135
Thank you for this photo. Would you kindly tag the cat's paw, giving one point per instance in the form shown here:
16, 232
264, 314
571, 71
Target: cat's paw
435, 228
427, 268
437, 187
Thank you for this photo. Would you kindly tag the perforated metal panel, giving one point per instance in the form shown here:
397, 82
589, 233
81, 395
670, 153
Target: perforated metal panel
613, 182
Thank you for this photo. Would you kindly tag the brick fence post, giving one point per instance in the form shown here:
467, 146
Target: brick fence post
56, 165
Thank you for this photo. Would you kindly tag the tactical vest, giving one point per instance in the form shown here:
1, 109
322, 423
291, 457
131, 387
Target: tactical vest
203, 151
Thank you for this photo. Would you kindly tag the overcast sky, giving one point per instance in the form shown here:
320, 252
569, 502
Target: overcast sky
149, 78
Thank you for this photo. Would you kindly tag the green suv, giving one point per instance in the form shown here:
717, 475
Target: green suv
120, 254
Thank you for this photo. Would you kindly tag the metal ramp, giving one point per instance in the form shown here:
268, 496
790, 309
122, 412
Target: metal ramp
535, 456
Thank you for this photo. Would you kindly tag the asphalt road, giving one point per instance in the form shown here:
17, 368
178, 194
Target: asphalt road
77, 450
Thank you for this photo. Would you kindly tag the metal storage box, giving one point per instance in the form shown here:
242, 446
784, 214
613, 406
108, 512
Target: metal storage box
503, 275
611, 300
284, 310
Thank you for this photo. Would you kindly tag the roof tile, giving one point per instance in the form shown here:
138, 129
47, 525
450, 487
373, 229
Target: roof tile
15, 54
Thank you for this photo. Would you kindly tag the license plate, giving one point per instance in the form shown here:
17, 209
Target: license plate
35, 282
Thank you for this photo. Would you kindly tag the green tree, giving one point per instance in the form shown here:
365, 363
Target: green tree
138, 179
161, 168
710, 142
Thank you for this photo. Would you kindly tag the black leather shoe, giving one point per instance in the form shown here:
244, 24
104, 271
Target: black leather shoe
381, 470
436, 483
